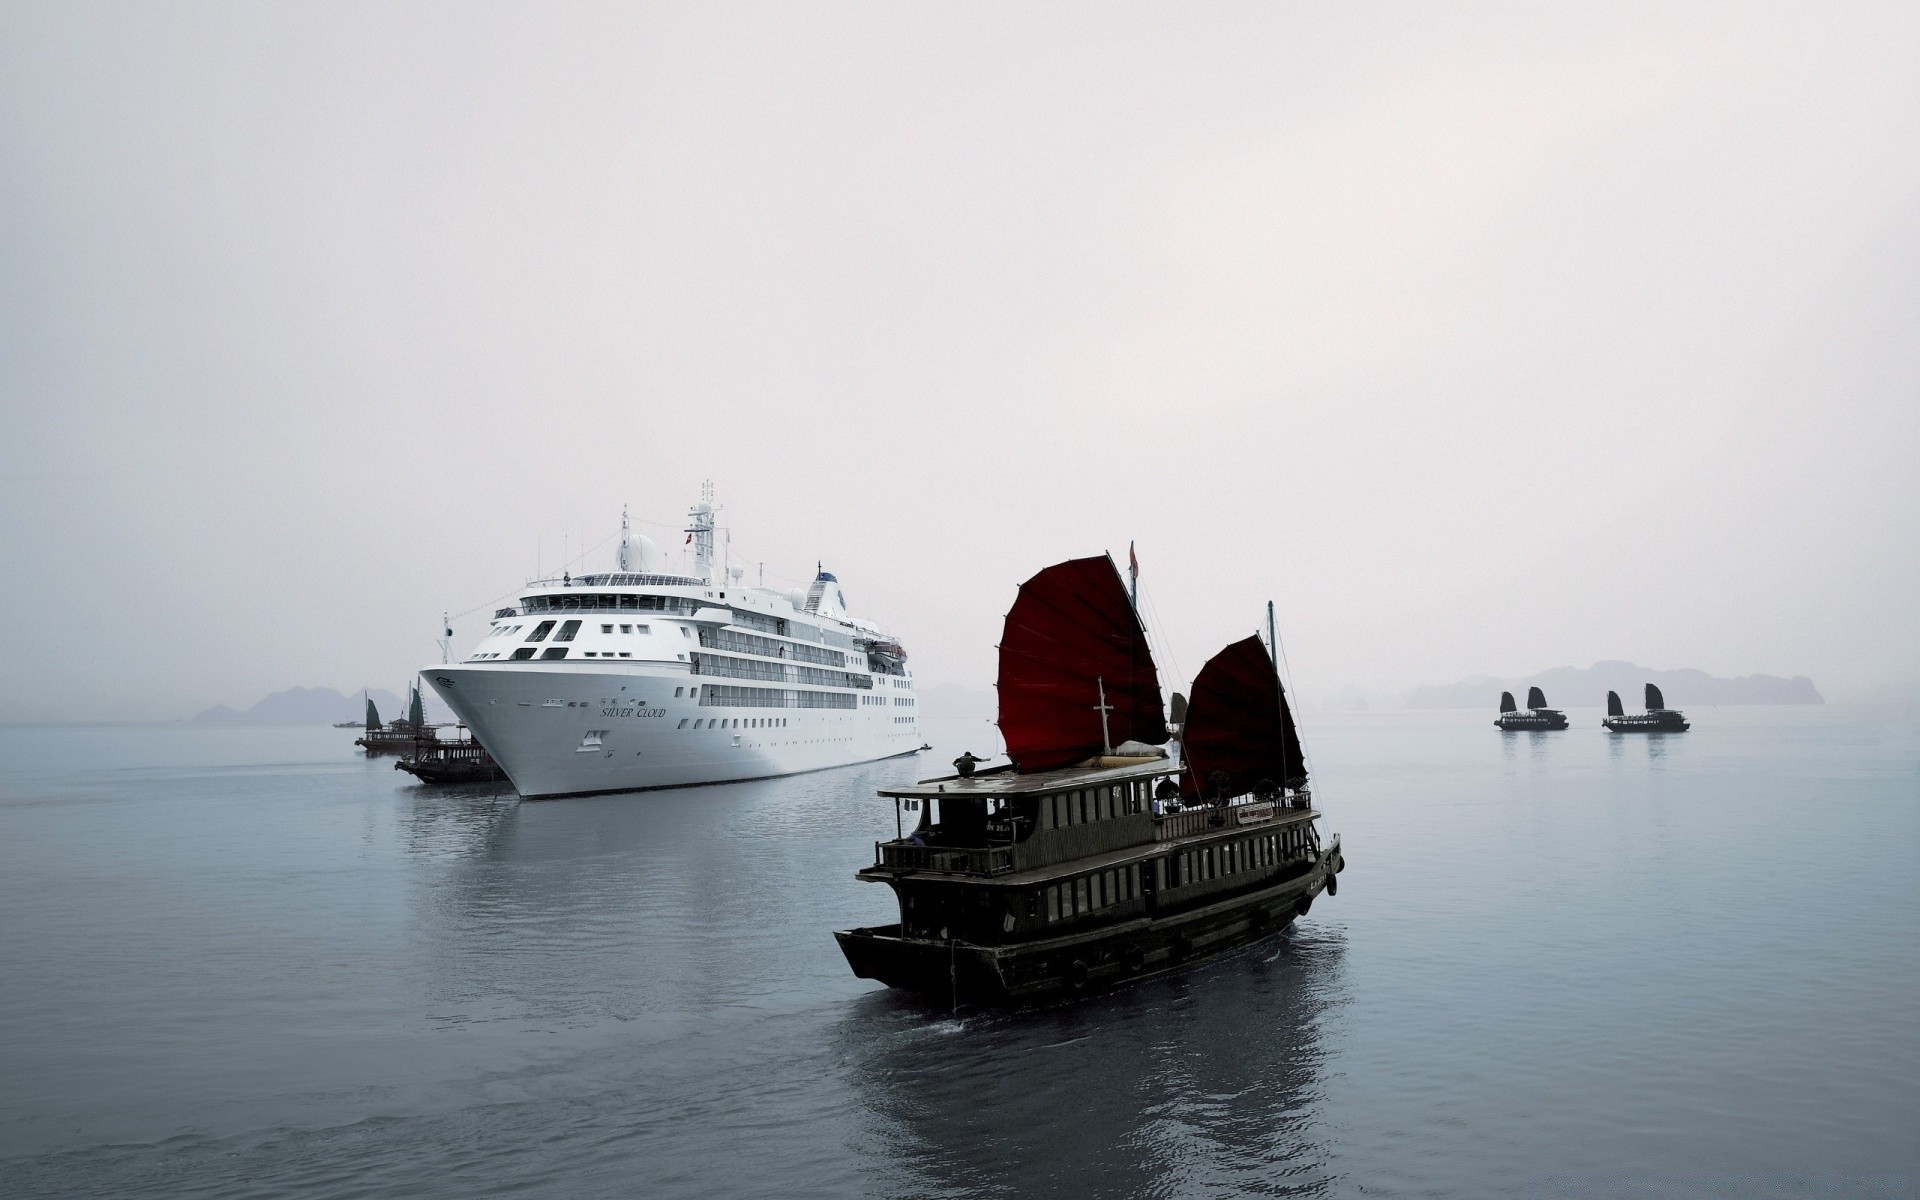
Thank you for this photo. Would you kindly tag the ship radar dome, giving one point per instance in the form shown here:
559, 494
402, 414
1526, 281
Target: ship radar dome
639, 553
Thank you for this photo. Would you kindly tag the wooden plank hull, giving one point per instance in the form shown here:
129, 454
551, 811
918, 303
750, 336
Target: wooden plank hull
1038, 971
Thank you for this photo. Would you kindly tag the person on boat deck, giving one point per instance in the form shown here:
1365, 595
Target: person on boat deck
1220, 783
1166, 797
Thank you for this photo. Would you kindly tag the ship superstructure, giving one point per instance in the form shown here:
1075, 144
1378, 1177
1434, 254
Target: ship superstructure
640, 678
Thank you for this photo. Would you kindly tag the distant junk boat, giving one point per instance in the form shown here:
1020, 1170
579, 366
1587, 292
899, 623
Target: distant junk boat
1537, 716
1093, 857
1657, 719
399, 735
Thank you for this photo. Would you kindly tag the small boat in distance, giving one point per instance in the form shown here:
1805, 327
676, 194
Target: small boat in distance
1537, 716
1657, 719
1094, 857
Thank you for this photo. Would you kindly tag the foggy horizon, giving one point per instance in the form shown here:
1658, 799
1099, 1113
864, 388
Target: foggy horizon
1481, 341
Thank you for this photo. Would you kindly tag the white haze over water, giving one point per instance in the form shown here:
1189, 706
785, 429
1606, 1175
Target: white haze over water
1480, 338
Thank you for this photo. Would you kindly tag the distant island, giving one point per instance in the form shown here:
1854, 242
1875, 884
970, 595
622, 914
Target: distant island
1573, 687
322, 706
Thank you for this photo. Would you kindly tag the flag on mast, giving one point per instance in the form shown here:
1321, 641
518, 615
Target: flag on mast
1133, 577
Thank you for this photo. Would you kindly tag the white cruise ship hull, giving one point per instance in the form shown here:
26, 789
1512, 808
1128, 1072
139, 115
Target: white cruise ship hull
585, 726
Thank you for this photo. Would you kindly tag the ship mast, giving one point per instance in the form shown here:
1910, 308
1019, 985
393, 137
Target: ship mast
700, 532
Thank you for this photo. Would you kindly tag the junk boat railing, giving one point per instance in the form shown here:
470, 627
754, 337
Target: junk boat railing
925, 852
957, 860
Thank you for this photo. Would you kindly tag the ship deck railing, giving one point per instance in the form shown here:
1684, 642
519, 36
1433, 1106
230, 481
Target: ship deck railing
958, 860
1237, 814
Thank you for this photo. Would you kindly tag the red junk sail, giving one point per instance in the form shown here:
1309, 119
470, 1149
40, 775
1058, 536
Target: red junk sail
1070, 633
1238, 723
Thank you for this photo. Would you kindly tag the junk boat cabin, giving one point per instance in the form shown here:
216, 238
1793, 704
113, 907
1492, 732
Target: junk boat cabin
1095, 857
1657, 719
1537, 716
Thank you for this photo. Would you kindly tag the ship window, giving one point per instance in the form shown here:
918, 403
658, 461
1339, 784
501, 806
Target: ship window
626, 654
540, 631
524, 652
643, 628
1053, 904
567, 631
606, 629
682, 724
554, 652
676, 693
1080, 902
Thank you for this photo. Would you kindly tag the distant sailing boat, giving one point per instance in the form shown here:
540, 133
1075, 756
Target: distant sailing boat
1657, 719
1537, 716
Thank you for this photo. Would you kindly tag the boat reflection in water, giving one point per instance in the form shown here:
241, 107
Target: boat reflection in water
1200, 1083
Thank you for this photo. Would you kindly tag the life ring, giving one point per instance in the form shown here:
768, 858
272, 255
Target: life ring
1333, 885
1077, 974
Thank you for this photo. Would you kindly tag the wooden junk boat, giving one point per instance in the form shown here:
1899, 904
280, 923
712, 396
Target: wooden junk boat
1537, 716
461, 760
1094, 857
1657, 719
398, 736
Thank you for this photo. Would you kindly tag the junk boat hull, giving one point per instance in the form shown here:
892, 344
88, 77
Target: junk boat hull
1516, 722
1037, 972
1649, 724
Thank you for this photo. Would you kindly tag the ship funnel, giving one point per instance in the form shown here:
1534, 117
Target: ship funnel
1506, 702
1654, 700
1614, 707
1536, 698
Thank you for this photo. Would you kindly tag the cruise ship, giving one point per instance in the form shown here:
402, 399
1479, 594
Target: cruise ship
640, 679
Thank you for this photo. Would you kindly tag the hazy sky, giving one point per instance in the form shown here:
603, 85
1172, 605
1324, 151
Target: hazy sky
1480, 338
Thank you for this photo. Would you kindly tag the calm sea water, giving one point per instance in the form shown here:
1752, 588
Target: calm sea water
241, 962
